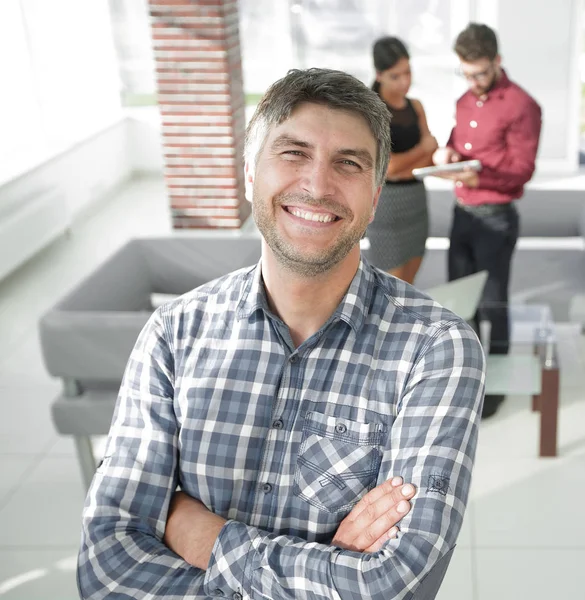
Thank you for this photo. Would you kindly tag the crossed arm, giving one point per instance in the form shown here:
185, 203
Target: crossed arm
192, 529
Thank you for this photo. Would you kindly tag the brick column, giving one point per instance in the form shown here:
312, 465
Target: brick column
201, 100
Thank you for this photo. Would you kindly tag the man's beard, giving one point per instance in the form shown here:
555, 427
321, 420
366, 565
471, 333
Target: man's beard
288, 254
487, 88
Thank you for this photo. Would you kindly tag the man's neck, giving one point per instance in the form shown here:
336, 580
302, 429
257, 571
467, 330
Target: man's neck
306, 303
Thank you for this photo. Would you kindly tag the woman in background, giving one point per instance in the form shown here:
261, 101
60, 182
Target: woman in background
398, 233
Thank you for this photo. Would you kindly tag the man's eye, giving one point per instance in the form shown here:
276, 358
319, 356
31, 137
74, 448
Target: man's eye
351, 163
293, 152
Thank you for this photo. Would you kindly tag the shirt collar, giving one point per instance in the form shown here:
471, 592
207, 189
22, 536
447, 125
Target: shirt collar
501, 84
498, 90
352, 309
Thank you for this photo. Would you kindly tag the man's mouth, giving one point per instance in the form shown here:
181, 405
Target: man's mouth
308, 215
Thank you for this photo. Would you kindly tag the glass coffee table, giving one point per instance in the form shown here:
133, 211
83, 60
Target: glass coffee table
531, 366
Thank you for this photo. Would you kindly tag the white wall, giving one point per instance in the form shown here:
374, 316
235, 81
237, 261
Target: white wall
59, 78
540, 43
42, 202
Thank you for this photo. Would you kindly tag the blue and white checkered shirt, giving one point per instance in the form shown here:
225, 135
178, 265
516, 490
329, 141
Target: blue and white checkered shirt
283, 442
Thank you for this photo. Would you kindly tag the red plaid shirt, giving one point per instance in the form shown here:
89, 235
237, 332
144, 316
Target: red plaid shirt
502, 130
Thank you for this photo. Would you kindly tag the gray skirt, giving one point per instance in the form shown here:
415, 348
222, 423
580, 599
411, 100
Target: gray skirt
401, 226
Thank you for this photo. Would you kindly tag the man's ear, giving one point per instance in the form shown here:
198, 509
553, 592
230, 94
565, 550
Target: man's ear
249, 181
375, 202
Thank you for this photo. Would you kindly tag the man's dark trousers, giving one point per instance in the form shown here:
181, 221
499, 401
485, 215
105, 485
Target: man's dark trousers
484, 238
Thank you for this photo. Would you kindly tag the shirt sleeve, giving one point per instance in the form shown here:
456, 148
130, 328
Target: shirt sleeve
432, 444
122, 555
515, 166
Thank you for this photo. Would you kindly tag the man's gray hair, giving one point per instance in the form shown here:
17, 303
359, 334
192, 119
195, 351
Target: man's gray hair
334, 89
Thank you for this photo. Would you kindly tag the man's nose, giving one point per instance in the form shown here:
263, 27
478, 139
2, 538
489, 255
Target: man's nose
319, 179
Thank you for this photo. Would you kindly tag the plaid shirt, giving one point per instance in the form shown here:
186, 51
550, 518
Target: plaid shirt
283, 442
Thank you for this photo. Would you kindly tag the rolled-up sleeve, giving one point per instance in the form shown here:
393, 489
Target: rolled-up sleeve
124, 518
432, 444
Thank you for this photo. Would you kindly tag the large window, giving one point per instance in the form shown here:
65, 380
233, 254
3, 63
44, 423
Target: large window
59, 75
339, 34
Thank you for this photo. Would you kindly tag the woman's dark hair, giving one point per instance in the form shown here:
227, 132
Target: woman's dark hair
387, 52
476, 41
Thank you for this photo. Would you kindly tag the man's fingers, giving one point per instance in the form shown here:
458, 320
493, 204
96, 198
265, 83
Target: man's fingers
373, 495
388, 535
380, 516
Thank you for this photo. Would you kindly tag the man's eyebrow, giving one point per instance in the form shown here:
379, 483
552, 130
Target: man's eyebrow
287, 140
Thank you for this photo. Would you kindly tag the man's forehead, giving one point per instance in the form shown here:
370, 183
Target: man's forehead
290, 123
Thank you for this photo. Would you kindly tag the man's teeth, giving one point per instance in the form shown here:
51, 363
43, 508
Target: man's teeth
310, 216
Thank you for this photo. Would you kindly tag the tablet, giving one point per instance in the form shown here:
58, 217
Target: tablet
474, 165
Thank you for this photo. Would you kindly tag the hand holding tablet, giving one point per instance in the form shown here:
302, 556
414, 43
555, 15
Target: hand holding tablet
454, 167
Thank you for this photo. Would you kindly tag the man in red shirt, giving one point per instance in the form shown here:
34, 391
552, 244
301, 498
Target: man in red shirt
498, 123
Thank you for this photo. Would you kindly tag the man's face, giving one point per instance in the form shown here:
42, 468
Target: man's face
480, 74
314, 190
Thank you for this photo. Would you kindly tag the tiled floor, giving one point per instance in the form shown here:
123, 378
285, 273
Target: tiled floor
524, 532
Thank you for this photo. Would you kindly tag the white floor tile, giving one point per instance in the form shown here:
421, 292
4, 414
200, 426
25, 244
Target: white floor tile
530, 503
458, 582
514, 432
38, 574
45, 510
26, 426
506, 574
465, 539
24, 365
13, 469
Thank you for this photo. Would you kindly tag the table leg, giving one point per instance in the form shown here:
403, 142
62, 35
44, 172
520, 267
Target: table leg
549, 411
536, 397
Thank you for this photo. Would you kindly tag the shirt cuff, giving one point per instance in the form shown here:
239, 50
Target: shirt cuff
228, 572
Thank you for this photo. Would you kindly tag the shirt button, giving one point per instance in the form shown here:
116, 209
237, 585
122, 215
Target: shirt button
237, 596
278, 424
479, 103
266, 488
459, 184
294, 358
340, 428
473, 124
467, 146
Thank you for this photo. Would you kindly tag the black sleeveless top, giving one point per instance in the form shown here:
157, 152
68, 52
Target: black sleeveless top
404, 127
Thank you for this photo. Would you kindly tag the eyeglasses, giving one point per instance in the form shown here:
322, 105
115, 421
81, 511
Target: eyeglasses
481, 76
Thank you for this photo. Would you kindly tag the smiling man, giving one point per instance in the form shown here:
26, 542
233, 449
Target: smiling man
319, 416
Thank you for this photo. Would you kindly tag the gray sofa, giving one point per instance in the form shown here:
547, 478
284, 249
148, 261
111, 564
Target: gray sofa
539, 276
87, 337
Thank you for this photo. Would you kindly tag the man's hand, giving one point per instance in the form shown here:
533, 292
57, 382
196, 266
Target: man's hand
442, 156
467, 178
372, 521
191, 530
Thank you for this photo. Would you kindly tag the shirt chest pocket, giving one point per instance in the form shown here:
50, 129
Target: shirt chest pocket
338, 461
